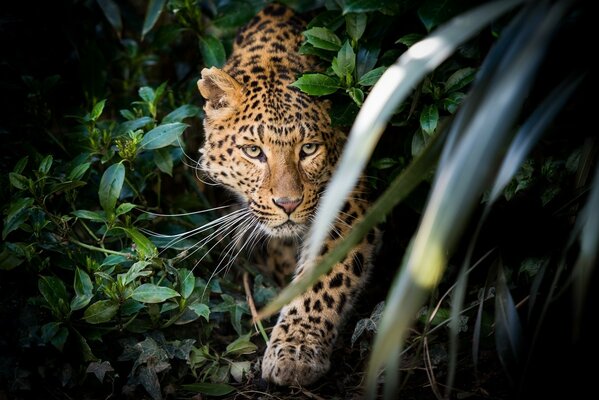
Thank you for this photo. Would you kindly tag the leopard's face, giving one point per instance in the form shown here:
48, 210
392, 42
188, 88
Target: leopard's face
275, 149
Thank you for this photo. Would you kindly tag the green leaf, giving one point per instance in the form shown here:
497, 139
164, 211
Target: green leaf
240, 369
459, 79
9, 260
110, 187
19, 181
234, 14
55, 293
130, 307
78, 171
163, 160
20, 165
144, 247
113, 259
17, 214
328, 19
152, 14
91, 215
371, 77
355, 24
159, 93
84, 348
322, 38
235, 308
346, 62
49, 330
60, 338
97, 110
429, 118
213, 51
147, 94
316, 84
187, 282
181, 113
367, 57
45, 165
242, 345
201, 310
384, 163
434, 12
101, 311
113, 14
409, 39
83, 290
343, 113
135, 271
64, 186
210, 389
162, 135
124, 208
132, 125
308, 49
357, 95
362, 6
150, 293
453, 101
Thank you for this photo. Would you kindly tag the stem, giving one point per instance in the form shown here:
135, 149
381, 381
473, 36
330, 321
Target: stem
250, 300
97, 239
99, 249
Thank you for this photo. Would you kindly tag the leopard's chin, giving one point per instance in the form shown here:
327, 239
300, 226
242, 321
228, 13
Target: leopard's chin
286, 229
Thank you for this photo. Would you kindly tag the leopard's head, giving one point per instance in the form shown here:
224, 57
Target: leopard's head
270, 144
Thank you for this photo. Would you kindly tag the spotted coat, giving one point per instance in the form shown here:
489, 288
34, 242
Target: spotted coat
275, 148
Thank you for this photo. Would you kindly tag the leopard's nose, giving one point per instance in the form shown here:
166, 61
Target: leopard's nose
287, 204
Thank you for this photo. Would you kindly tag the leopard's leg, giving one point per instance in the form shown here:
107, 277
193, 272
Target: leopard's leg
301, 343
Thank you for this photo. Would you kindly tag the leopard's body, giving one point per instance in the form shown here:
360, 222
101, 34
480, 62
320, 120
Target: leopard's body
275, 148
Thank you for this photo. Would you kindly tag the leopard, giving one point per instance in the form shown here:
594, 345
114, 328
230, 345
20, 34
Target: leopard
276, 149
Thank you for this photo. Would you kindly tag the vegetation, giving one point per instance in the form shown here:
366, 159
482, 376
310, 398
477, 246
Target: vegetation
116, 282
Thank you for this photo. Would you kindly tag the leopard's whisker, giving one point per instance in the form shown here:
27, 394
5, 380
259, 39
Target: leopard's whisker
223, 230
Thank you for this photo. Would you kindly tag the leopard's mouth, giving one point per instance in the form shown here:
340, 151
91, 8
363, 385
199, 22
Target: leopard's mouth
288, 228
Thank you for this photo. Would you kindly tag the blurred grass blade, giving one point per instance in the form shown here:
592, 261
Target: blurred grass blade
475, 153
457, 305
398, 190
531, 132
589, 244
527, 136
390, 91
508, 330
153, 12
113, 15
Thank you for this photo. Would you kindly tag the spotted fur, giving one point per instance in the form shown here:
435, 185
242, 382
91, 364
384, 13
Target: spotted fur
275, 148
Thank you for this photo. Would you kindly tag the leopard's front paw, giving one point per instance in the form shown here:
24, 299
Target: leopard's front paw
293, 362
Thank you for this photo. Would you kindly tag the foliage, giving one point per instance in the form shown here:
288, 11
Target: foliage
109, 241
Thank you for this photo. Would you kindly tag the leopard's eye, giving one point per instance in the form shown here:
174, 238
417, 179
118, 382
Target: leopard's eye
308, 149
253, 151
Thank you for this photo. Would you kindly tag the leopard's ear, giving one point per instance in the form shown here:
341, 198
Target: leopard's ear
221, 91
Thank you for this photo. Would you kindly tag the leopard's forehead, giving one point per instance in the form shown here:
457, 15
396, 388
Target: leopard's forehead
282, 118
265, 61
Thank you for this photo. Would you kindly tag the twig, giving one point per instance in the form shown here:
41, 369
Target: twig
105, 251
250, 300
